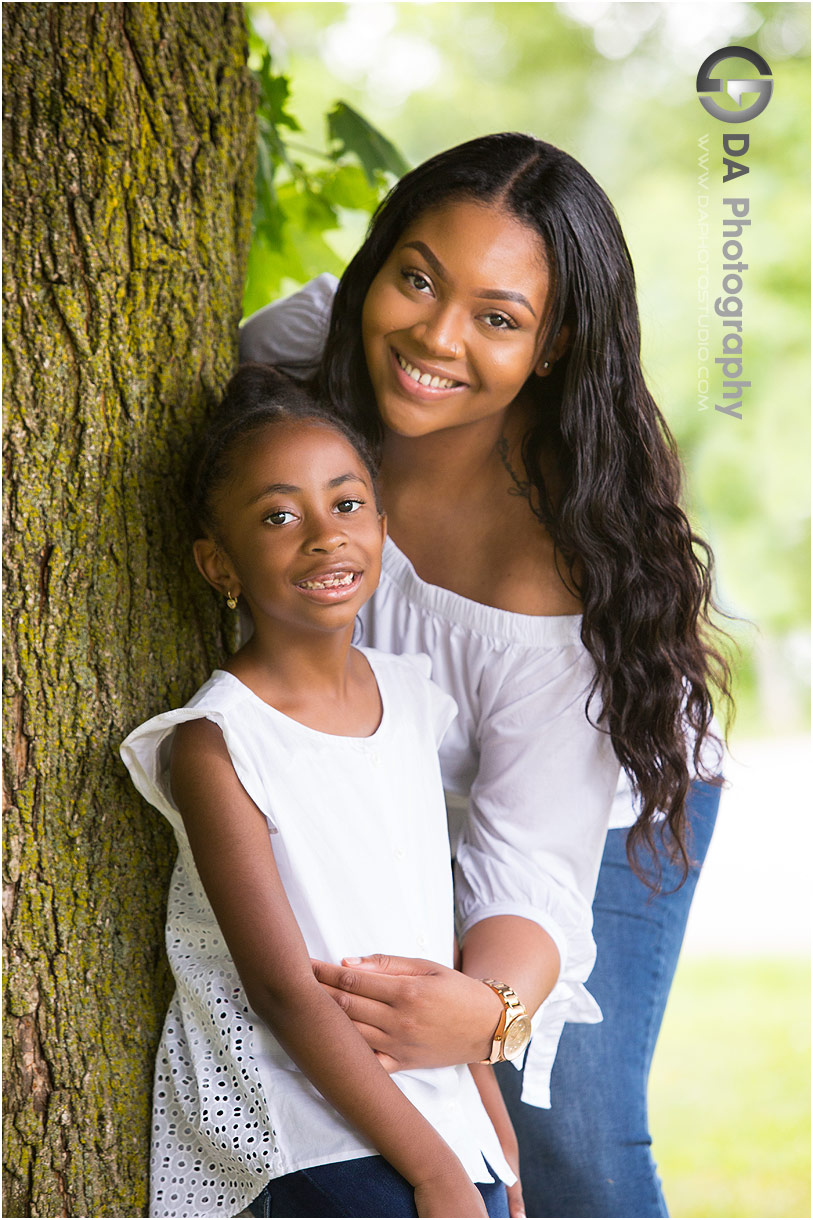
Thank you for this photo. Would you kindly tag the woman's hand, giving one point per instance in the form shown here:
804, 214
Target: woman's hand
496, 1109
414, 1013
516, 1203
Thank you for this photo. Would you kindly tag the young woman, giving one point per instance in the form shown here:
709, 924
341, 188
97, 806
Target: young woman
486, 339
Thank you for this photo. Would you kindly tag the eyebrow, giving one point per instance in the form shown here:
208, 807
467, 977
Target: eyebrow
486, 294
431, 258
289, 489
350, 477
505, 294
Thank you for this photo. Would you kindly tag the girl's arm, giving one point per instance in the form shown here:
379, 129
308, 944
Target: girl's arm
230, 843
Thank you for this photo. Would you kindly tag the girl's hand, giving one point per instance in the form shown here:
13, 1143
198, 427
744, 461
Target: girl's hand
449, 1194
414, 1013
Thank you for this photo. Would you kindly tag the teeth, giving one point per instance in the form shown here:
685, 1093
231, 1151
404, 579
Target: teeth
330, 582
437, 383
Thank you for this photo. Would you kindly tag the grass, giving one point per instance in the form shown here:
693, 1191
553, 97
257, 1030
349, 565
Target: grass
730, 1090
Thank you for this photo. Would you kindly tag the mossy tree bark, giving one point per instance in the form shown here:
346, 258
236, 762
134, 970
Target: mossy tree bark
128, 166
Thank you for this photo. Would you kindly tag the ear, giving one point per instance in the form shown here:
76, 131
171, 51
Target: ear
215, 566
382, 520
553, 352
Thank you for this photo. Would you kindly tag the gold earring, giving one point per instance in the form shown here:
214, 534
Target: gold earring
231, 600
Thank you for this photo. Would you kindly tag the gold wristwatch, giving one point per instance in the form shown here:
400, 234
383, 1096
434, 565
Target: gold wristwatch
514, 1030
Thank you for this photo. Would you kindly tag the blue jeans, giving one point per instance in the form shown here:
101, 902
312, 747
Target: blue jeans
368, 1186
589, 1155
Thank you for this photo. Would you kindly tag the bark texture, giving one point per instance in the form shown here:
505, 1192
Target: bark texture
128, 148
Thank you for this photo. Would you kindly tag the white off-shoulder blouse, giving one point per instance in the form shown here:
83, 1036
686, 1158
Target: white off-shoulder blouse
530, 781
533, 786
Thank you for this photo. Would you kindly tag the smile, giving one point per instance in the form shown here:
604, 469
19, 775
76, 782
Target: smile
326, 588
329, 582
426, 379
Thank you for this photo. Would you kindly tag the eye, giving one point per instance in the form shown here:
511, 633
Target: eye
279, 516
349, 506
418, 281
499, 321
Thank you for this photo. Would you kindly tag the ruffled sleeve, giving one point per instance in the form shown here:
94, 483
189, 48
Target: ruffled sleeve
146, 754
537, 823
291, 333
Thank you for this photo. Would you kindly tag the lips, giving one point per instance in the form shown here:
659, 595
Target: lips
423, 380
330, 585
328, 582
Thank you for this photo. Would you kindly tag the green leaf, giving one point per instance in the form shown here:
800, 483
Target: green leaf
305, 209
295, 256
347, 186
274, 93
353, 134
265, 203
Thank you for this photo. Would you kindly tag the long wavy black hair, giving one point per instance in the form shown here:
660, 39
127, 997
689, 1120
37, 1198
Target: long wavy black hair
622, 540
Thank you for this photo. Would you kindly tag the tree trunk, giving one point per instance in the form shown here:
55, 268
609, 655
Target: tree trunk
128, 166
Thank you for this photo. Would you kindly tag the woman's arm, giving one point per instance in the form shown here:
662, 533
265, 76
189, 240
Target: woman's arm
290, 333
513, 950
525, 875
495, 1107
230, 843
402, 1005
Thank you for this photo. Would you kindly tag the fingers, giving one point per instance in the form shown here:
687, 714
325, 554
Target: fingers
364, 997
372, 1034
383, 963
372, 986
375, 1039
362, 1011
516, 1204
388, 1063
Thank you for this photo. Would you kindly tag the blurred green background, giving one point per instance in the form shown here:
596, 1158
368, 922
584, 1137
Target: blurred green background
614, 84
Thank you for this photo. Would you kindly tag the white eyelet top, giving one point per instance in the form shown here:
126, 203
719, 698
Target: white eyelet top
358, 827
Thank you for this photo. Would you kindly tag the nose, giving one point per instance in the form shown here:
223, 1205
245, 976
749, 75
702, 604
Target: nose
325, 536
441, 333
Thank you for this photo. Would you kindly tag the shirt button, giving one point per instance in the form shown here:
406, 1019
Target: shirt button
399, 853
421, 941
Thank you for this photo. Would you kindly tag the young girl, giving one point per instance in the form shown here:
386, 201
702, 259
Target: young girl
303, 786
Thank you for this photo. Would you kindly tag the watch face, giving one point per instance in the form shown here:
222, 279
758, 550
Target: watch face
517, 1037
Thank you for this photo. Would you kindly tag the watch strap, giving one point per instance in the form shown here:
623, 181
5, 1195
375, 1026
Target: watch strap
512, 1008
